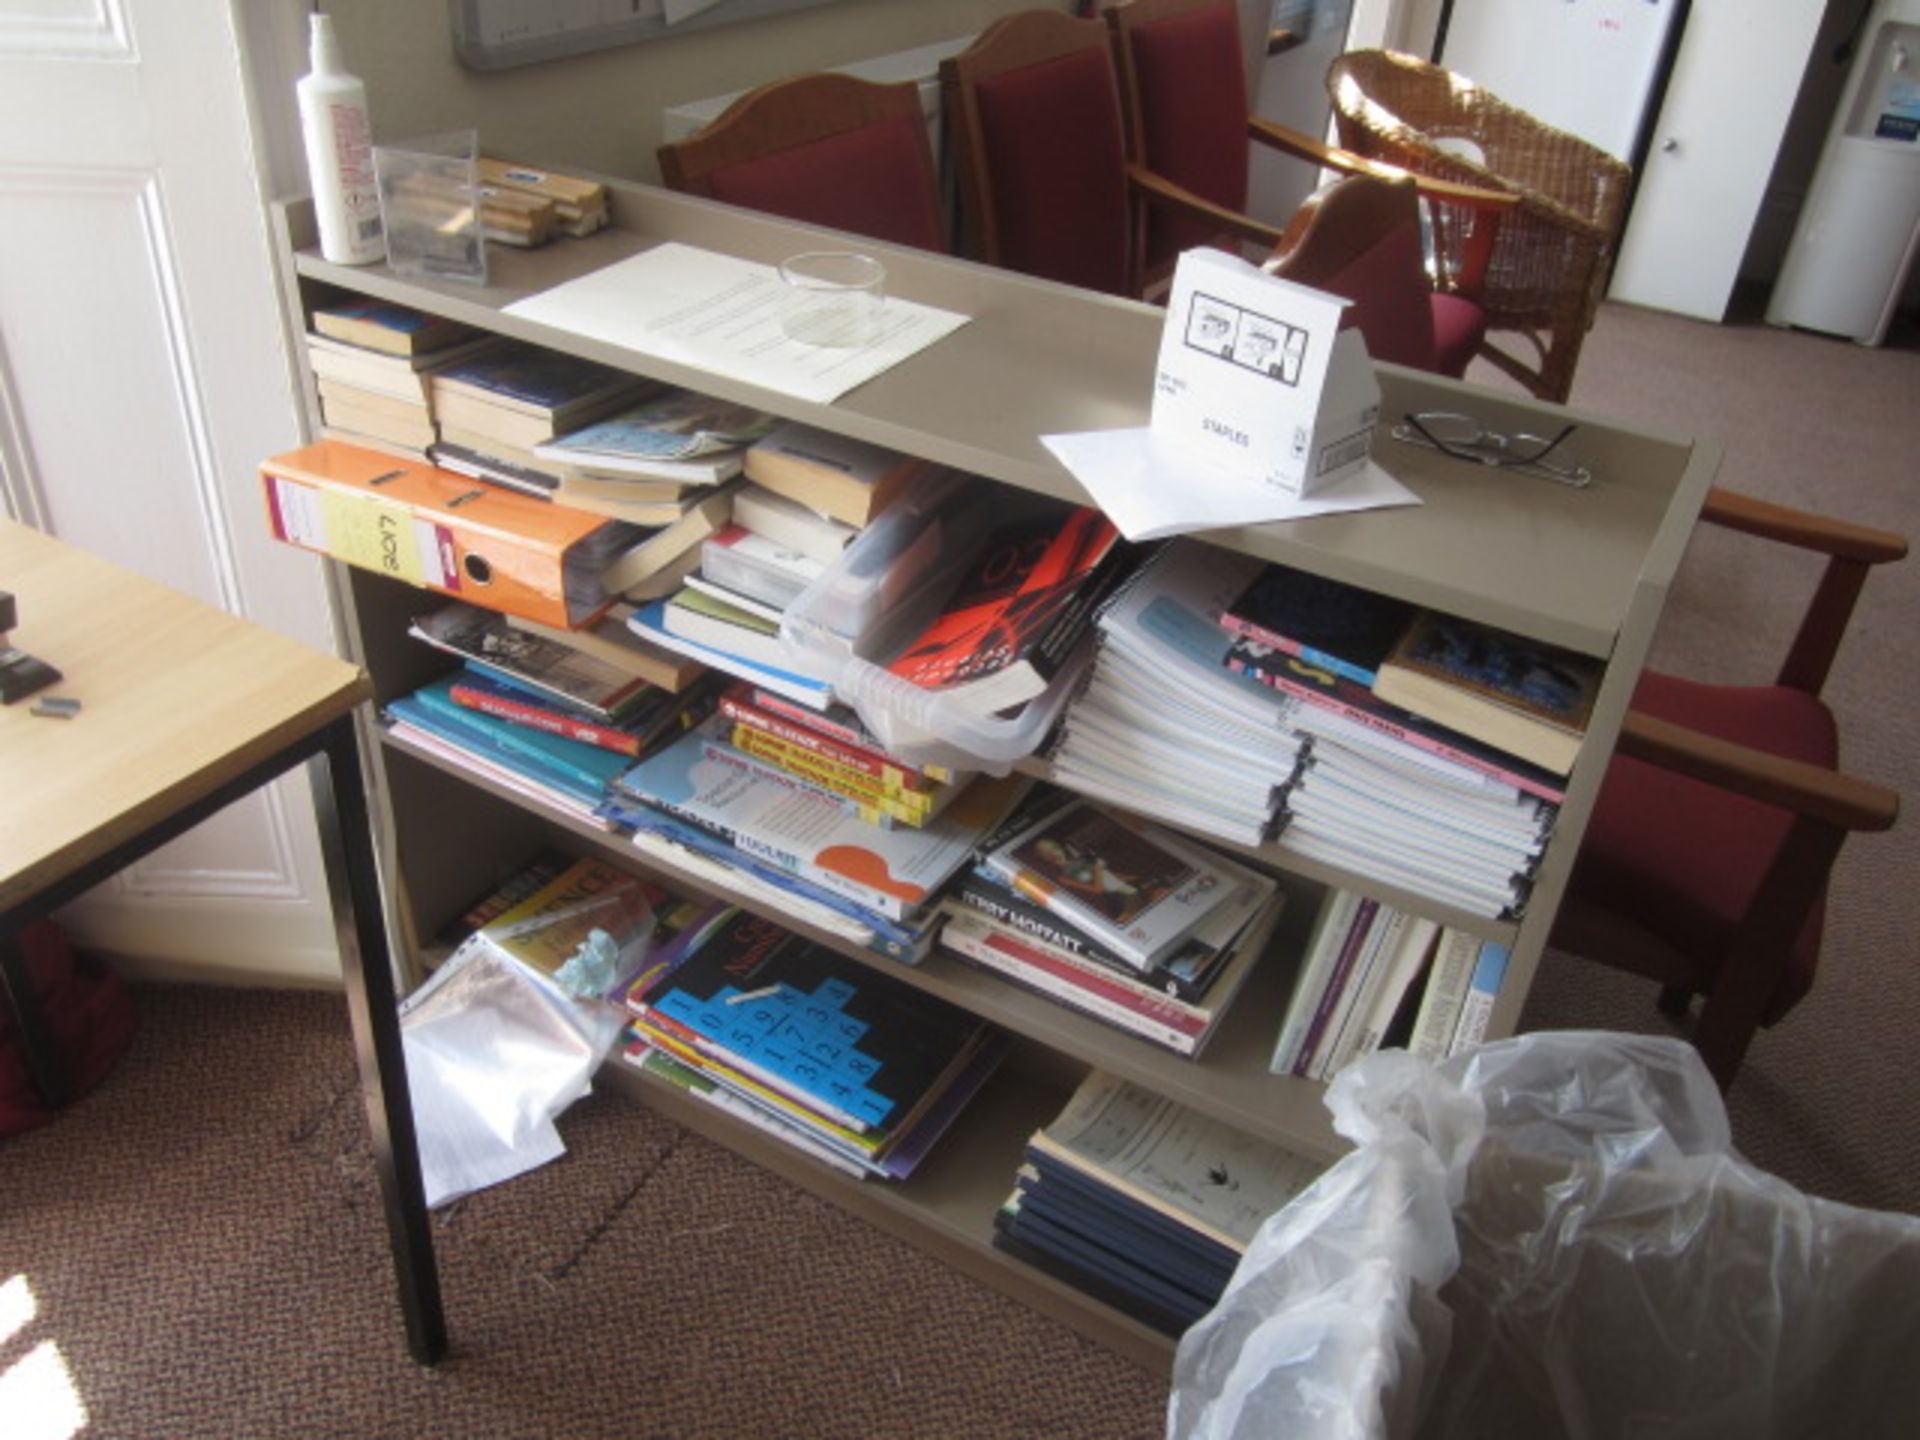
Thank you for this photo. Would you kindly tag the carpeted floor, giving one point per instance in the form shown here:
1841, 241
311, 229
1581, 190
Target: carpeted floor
202, 1243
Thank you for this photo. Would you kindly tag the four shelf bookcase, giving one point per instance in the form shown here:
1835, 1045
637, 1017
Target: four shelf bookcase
1587, 569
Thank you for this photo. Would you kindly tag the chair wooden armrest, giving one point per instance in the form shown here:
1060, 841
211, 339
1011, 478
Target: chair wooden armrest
1802, 528
1161, 192
1828, 796
1850, 550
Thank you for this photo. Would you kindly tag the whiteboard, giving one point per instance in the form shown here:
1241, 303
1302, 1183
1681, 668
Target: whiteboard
496, 34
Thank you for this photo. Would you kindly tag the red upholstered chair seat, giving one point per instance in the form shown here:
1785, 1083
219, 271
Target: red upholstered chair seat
831, 181
1459, 325
1683, 857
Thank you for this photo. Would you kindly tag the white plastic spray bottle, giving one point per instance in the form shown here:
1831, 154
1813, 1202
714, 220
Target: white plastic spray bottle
339, 140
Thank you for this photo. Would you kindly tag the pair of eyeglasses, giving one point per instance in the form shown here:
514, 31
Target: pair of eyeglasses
1465, 438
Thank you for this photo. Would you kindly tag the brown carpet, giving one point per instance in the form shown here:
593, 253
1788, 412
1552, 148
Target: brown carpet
203, 1236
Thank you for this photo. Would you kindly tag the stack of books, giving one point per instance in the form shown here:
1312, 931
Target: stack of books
869, 782
847, 1063
493, 408
1142, 1203
704, 806
1117, 920
1162, 726
1391, 790
372, 363
666, 462
1375, 976
549, 719
782, 538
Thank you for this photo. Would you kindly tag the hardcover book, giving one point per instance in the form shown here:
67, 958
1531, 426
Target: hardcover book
1133, 886
849, 480
1014, 616
1520, 695
1325, 622
535, 381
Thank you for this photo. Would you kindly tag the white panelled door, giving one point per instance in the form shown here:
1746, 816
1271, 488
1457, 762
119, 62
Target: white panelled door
143, 372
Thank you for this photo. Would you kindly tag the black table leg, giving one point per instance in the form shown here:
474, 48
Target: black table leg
353, 878
49, 1076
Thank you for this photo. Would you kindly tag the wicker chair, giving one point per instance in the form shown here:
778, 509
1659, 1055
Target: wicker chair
1553, 251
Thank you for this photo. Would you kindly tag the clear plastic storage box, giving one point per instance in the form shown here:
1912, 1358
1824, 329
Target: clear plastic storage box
882, 592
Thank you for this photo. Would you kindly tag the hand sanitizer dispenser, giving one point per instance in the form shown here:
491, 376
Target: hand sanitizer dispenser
1859, 229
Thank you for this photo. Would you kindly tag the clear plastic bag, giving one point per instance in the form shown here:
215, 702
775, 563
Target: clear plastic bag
1553, 1236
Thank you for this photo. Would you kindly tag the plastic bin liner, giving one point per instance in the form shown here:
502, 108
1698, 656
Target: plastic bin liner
1553, 1236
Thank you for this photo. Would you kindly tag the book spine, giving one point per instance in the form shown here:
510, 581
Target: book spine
1083, 975
532, 716
1260, 635
1336, 983
825, 769
1439, 1012
981, 893
1477, 1009
984, 955
1383, 726
866, 762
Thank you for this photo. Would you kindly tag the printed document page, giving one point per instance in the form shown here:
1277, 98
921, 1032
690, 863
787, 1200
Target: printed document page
1151, 488
723, 314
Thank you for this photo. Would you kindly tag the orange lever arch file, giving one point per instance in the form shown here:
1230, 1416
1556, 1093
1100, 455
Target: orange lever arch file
445, 532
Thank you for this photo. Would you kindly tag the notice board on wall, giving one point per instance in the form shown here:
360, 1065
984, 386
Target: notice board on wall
497, 34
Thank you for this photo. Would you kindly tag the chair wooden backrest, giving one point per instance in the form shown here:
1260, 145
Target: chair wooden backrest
1184, 95
1033, 112
1359, 238
824, 149
1547, 268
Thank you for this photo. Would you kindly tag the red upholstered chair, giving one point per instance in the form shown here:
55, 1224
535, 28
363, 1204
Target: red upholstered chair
1039, 142
1183, 90
1705, 862
1359, 238
825, 149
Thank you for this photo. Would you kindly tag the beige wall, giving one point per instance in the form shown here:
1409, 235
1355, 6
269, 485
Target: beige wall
601, 111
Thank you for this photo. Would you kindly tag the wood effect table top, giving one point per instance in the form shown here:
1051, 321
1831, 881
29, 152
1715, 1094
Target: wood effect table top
178, 698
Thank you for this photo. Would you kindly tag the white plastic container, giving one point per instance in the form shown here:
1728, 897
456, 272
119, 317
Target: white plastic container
339, 142
881, 593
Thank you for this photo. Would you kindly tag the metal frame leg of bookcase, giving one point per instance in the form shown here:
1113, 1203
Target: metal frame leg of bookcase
367, 964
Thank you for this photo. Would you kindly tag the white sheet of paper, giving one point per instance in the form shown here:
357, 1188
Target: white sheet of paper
700, 307
1151, 489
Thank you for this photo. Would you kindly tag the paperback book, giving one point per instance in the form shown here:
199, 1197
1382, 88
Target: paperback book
387, 327
1017, 611
533, 661
1135, 887
846, 479
1325, 622
894, 872
1519, 695
670, 435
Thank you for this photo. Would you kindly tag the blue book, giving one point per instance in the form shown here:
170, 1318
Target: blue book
578, 769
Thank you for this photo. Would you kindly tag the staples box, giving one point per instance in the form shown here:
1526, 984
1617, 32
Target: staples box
1256, 376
